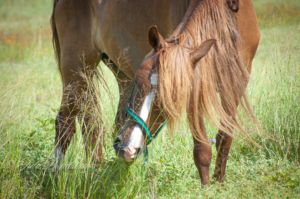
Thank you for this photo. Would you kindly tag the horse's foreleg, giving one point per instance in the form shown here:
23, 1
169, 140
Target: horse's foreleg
74, 31
202, 155
77, 70
223, 143
65, 120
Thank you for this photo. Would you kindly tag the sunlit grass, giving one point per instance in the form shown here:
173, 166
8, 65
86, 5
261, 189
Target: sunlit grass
30, 94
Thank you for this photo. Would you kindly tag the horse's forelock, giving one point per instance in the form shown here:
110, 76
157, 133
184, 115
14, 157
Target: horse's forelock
174, 74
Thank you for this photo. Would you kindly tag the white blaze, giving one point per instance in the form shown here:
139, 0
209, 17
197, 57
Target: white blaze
137, 134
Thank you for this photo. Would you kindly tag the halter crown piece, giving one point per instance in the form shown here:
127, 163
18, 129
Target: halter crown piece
143, 125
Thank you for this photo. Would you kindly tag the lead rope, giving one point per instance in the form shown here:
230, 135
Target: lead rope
156, 133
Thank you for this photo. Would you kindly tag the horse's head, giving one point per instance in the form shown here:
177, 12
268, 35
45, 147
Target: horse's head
146, 113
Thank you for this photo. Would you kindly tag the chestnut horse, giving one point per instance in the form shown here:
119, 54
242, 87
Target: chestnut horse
172, 80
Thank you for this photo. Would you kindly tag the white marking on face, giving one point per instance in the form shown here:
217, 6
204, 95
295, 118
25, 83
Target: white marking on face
137, 135
154, 79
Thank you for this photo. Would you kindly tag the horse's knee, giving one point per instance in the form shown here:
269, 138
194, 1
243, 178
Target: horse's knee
75, 72
202, 155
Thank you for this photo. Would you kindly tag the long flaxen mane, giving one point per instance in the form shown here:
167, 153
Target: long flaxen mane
215, 86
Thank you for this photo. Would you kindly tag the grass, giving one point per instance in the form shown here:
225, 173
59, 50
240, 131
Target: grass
30, 93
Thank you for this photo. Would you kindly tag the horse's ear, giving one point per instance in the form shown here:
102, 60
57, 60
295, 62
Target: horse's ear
155, 39
202, 50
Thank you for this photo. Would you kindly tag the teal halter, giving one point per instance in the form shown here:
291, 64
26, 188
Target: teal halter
143, 125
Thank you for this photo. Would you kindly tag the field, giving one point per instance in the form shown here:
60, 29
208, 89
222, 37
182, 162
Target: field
30, 94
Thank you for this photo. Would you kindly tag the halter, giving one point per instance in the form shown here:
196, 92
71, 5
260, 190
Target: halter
143, 125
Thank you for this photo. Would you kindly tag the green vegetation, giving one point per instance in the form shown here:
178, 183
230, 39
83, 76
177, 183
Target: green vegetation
277, 12
30, 93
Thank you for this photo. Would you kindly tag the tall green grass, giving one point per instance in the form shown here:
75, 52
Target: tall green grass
275, 89
30, 93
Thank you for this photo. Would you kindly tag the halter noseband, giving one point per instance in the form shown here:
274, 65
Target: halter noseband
143, 125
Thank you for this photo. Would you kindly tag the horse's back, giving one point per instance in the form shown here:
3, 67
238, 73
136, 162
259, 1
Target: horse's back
123, 27
119, 28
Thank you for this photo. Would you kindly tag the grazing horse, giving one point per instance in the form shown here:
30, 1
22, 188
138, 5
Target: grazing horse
207, 56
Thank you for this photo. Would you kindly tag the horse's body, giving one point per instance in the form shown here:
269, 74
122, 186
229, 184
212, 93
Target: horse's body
94, 30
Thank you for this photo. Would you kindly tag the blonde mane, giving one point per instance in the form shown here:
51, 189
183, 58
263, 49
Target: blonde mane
217, 85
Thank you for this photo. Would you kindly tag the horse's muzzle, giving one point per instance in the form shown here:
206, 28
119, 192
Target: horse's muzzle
120, 150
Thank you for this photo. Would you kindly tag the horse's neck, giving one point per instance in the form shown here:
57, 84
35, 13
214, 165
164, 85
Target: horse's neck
205, 19
200, 21
190, 11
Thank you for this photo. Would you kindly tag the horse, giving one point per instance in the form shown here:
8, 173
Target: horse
208, 53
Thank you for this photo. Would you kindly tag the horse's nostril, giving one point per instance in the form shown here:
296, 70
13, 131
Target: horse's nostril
118, 148
138, 152
118, 140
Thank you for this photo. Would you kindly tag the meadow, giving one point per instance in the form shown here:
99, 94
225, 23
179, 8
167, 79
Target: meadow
30, 94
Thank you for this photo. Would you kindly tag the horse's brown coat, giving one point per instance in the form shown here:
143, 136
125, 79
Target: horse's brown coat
118, 29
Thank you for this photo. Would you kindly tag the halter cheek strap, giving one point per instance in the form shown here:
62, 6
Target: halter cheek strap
143, 125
